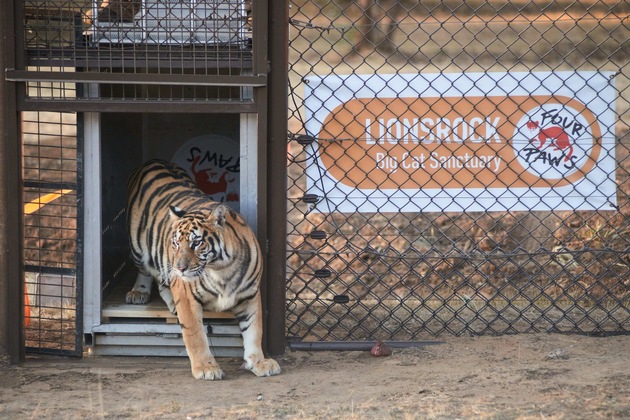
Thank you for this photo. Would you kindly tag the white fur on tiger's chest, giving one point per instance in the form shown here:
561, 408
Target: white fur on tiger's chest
223, 300
220, 303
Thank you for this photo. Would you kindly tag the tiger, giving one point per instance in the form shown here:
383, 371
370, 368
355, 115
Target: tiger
203, 255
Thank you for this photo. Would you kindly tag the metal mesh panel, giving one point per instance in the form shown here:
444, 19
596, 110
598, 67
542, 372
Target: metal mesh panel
51, 252
137, 41
114, 57
458, 167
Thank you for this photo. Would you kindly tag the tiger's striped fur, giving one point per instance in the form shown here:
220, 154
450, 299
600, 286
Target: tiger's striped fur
202, 254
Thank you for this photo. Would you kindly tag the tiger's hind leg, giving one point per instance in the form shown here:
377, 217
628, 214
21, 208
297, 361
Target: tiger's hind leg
140, 294
249, 317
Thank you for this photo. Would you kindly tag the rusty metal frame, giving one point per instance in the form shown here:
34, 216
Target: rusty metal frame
11, 267
277, 175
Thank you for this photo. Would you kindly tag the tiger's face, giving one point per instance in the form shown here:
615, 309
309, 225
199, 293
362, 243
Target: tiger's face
196, 242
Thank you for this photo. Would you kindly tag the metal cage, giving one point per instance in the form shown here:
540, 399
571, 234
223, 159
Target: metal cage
90, 87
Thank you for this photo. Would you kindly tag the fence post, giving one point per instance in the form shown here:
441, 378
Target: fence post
11, 289
277, 114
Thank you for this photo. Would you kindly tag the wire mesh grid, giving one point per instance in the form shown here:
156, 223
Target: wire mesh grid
141, 39
50, 155
449, 173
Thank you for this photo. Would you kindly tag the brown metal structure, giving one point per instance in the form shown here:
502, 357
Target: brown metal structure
277, 175
11, 331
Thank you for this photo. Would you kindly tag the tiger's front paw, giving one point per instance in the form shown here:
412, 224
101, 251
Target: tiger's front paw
207, 371
265, 367
137, 298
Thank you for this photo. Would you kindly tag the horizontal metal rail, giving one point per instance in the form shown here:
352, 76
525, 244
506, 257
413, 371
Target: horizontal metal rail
260, 80
354, 345
29, 268
138, 105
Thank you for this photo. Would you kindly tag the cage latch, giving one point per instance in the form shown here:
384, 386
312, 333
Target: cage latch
318, 234
310, 198
322, 273
305, 139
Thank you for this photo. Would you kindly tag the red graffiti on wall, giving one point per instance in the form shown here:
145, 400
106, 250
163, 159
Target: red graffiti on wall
204, 180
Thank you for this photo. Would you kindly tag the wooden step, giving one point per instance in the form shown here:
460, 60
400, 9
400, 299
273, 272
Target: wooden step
114, 306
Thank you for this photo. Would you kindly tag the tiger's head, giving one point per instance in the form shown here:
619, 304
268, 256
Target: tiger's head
198, 240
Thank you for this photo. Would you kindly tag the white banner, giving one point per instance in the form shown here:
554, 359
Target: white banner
462, 142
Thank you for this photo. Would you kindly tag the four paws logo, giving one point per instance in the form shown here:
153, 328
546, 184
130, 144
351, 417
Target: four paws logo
556, 136
553, 141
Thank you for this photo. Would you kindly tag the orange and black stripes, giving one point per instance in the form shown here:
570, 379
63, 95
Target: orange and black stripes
166, 212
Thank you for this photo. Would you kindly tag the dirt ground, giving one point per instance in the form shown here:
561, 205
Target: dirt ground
521, 376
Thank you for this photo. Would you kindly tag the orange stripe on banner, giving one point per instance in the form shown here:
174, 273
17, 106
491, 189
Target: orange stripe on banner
40, 202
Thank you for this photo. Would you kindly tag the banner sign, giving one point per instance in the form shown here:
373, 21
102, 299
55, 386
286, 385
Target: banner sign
462, 142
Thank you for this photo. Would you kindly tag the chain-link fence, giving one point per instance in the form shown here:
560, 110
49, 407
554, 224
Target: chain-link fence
458, 167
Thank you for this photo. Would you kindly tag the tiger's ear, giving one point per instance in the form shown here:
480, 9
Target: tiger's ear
219, 214
176, 212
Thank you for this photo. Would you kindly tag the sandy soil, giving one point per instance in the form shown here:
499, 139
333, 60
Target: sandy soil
523, 376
